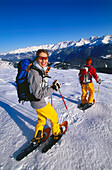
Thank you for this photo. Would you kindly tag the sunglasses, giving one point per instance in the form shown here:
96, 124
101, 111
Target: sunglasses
43, 58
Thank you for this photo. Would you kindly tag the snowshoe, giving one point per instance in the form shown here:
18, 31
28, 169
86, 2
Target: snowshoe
52, 140
86, 105
33, 144
81, 105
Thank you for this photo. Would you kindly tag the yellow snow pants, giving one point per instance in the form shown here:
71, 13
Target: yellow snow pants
44, 113
87, 87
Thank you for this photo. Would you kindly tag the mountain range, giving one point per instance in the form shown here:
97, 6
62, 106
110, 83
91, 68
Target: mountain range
73, 53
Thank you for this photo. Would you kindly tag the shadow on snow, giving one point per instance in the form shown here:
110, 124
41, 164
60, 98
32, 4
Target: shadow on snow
70, 100
18, 119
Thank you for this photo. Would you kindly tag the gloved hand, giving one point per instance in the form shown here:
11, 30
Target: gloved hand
56, 85
99, 81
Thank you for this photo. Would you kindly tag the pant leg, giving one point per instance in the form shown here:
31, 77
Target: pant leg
49, 112
40, 124
84, 94
91, 92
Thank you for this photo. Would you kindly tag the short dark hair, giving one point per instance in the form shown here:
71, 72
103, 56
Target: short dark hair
88, 61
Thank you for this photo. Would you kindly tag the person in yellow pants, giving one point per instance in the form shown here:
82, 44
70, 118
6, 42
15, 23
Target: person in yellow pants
87, 87
85, 76
40, 91
44, 113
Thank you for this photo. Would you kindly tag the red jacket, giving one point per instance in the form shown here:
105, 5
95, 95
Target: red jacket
92, 72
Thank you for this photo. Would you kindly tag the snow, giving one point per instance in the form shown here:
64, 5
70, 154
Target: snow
53, 47
87, 145
82, 42
65, 44
4, 64
107, 56
107, 39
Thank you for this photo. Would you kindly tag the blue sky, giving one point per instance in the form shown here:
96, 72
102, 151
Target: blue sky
25, 23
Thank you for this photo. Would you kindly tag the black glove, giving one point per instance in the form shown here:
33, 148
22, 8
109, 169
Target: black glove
56, 85
99, 81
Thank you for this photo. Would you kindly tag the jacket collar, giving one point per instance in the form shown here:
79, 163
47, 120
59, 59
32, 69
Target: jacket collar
88, 65
36, 65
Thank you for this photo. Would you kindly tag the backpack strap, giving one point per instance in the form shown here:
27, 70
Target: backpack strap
41, 73
48, 69
29, 67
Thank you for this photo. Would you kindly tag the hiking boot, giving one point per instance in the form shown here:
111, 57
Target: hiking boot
56, 137
39, 138
39, 135
36, 141
82, 105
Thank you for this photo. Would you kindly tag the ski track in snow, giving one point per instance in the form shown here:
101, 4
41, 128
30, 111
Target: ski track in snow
87, 145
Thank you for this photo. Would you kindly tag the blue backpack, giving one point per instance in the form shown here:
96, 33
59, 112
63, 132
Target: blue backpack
21, 80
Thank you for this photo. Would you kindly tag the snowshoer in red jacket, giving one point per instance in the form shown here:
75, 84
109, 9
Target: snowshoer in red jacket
85, 76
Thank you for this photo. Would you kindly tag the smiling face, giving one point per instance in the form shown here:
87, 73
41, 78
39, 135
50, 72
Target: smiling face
42, 59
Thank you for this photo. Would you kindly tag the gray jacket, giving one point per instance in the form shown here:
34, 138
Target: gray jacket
38, 87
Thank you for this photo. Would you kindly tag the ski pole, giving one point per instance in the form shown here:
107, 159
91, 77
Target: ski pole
51, 100
97, 92
65, 104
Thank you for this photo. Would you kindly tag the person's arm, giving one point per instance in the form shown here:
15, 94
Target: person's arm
98, 80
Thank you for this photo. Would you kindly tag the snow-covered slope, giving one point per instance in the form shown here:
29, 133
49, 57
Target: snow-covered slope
87, 145
5, 64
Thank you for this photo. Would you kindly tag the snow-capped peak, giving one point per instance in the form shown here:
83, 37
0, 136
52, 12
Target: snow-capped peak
107, 39
92, 37
53, 47
29, 49
65, 44
82, 41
